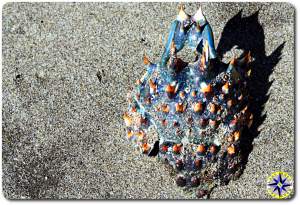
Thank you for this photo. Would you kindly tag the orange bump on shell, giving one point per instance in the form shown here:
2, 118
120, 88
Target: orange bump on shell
176, 148
170, 89
201, 148
225, 88
237, 135
129, 133
230, 138
213, 123
213, 149
181, 94
164, 148
165, 108
198, 163
212, 108
146, 60
152, 84
145, 147
231, 150
194, 93
198, 107
179, 107
206, 89
157, 108
138, 82
127, 119
148, 100
133, 109
141, 135
164, 122
141, 120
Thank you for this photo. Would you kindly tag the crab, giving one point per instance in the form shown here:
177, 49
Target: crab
191, 114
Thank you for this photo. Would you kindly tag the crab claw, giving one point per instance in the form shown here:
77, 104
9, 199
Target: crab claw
182, 16
198, 16
146, 60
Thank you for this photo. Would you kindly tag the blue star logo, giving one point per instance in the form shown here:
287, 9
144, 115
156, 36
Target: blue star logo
279, 184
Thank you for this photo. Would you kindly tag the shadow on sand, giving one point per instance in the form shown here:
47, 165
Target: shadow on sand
248, 35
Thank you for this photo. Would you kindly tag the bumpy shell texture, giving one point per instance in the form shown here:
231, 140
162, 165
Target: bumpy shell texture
191, 114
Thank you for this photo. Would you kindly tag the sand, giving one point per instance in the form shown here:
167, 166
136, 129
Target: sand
67, 68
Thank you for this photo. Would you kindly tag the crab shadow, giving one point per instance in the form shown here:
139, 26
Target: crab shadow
248, 35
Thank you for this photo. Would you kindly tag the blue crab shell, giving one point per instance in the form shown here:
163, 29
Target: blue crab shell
191, 114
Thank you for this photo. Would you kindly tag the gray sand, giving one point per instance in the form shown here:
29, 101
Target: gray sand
63, 133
